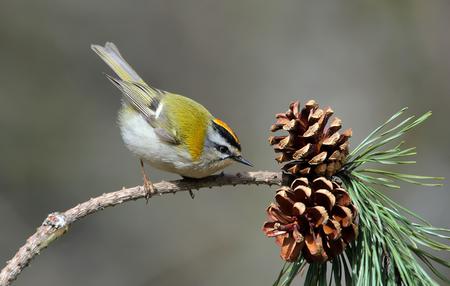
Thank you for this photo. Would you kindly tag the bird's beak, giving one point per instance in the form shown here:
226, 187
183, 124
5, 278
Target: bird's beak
242, 160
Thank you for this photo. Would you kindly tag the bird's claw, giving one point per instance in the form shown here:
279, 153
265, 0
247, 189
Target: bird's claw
149, 190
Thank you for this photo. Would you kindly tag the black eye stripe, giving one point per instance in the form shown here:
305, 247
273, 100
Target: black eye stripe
227, 136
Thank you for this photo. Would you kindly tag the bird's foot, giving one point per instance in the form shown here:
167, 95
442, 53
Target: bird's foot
149, 189
148, 185
191, 192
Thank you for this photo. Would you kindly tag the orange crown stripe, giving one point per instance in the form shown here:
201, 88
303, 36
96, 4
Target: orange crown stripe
224, 125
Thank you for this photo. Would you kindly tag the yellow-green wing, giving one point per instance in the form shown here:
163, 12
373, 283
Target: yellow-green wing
142, 97
148, 102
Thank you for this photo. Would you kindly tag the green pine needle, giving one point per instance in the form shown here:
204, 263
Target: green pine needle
389, 245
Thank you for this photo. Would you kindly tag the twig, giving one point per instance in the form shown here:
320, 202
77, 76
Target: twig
57, 224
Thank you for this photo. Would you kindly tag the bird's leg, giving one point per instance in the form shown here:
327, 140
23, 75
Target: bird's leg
148, 185
191, 193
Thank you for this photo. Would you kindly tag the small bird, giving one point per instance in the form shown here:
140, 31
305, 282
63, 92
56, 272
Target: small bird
166, 130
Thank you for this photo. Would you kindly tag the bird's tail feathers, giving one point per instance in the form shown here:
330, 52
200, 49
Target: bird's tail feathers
111, 55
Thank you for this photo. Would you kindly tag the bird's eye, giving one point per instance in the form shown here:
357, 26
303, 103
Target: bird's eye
223, 149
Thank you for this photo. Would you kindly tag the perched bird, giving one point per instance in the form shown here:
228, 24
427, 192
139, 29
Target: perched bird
166, 130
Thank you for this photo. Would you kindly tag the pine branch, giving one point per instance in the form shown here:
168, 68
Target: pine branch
392, 239
57, 224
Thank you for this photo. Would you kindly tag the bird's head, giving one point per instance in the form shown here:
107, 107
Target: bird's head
222, 145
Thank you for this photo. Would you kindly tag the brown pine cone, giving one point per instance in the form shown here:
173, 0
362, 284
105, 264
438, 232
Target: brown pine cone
314, 218
310, 148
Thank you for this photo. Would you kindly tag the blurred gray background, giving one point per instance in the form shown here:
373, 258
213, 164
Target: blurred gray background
245, 61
